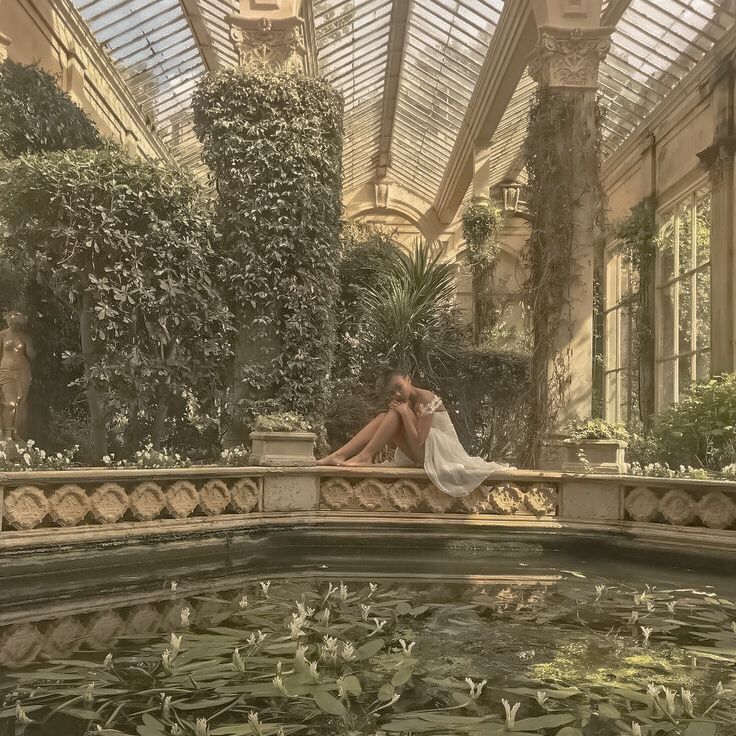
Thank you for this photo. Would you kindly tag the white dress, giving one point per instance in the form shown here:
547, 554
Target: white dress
446, 463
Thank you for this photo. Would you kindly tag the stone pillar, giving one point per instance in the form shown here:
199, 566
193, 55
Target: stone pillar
482, 172
269, 33
566, 63
718, 159
4, 42
74, 76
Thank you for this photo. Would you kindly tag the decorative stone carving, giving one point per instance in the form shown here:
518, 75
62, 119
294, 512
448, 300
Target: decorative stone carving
565, 58
381, 193
214, 497
370, 494
678, 507
146, 501
276, 43
337, 493
506, 498
104, 629
20, 645
109, 503
25, 507
718, 158
63, 638
181, 499
69, 505
4, 43
244, 496
541, 500
641, 504
405, 495
143, 620
476, 502
437, 500
716, 510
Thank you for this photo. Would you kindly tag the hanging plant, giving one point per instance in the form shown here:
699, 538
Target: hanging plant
479, 227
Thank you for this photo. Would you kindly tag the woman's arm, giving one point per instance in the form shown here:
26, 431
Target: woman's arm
416, 428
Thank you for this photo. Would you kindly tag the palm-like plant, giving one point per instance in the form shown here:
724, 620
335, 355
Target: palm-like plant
409, 313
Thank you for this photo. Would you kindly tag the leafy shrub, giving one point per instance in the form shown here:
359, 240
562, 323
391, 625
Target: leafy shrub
273, 142
578, 430
238, 456
15, 456
149, 457
700, 430
283, 422
37, 115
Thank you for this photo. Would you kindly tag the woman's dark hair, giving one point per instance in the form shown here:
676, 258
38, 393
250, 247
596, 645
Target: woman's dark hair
387, 375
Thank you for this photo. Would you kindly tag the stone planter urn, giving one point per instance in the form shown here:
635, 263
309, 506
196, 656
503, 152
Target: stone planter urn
599, 456
282, 449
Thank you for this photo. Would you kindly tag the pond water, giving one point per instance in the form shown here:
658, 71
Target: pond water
523, 636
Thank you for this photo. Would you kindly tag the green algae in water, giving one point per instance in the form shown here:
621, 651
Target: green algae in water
562, 658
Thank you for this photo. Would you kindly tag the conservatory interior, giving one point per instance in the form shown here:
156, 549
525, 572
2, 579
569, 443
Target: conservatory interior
255, 253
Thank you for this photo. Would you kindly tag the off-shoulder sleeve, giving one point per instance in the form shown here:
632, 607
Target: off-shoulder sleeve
430, 407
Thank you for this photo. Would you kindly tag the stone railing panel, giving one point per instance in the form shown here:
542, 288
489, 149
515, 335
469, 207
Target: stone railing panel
682, 505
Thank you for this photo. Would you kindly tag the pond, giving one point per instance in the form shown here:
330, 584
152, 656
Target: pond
462, 634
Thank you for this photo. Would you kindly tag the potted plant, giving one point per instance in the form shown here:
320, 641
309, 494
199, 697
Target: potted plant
283, 439
594, 446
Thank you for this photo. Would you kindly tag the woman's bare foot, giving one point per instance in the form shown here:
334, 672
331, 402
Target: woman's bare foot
333, 459
359, 460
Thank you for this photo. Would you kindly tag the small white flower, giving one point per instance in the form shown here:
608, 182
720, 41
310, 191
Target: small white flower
175, 644
166, 707
671, 606
687, 701
653, 690
599, 591
201, 728
325, 618
647, 632
634, 617
185, 614
542, 697
373, 588
329, 648
238, 661
265, 585
510, 712
20, 715
167, 660
720, 690
313, 671
650, 606
406, 648
278, 683
348, 651
174, 586
88, 693
341, 692
255, 724
108, 661
243, 602
176, 730
379, 624
635, 729
733, 626
475, 688
669, 696
343, 592
365, 610
300, 655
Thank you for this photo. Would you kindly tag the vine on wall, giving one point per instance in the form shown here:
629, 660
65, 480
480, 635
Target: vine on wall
562, 163
273, 142
479, 226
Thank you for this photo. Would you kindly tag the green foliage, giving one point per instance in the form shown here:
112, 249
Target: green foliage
273, 142
638, 235
699, 430
37, 115
595, 429
15, 456
149, 457
284, 422
125, 244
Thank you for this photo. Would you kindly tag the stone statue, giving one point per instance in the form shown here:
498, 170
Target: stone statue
16, 353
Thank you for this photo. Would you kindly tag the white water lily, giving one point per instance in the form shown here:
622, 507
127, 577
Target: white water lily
175, 644
88, 696
365, 610
167, 660
653, 693
166, 707
650, 606
687, 701
278, 683
343, 592
21, 716
475, 688
329, 648
542, 697
254, 723
185, 614
510, 712
108, 661
599, 591
671, 606
265, 585
243, 602
348, 651
313, 671
669, 697
647, 632
634, 617
238, 661
635, 729
257, 638
304, 612
406, 648
201, 728
373, 588
174, 586
295, 627
379, 624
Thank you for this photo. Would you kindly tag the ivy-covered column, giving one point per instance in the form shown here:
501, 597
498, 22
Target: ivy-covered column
565, 211
718, 159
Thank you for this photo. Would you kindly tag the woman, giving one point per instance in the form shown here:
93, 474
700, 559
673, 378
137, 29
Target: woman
418, 424
16, 353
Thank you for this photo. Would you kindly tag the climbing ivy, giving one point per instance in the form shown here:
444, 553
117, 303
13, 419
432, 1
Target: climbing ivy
273, 142
479, 226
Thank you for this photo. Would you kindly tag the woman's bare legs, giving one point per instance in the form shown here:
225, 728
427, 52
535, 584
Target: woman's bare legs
388, 428
354, 445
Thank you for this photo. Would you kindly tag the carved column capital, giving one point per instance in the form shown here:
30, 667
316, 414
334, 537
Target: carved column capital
569, 58
4, 43
381, 194
277, 43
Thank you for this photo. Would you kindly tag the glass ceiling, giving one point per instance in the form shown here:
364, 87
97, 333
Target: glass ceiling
163, 46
